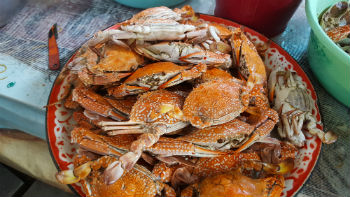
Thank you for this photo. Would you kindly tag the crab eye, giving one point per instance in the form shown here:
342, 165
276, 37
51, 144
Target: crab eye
220, 141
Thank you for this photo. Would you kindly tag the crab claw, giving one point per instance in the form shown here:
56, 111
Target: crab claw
95, 102
208, 57
67, 177
124, 90
185, 75
266, 123
113, 172
89, 78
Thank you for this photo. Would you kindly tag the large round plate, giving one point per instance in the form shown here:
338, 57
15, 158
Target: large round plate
59, 120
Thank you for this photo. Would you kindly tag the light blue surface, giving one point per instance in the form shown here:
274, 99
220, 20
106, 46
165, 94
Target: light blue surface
149, 3
23, 96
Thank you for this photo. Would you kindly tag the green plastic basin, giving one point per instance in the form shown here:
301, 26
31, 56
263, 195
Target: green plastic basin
329, 63
149, 3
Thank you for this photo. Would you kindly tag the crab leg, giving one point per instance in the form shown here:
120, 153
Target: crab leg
106, 78
96, 103
223, 136
118, 128
134, 128
208, 57
146, 142
169, 147
270, 118
179, 52
185, 75
247, 59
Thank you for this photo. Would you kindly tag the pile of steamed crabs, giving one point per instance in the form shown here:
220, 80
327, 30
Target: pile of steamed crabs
170, 105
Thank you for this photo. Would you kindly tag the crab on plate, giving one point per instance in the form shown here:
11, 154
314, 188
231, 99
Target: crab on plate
168, 102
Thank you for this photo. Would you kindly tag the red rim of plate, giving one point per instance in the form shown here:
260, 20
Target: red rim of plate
50, 115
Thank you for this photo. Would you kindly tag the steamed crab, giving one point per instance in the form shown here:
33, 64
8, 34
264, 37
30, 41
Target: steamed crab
156, 76
153, 115
104, 63
235, 184
137, 182
181, 52
132, 108
291, 99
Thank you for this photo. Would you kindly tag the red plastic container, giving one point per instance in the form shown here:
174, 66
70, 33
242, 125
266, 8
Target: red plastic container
269, 17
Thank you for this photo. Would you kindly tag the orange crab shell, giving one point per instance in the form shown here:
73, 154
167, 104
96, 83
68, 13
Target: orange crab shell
224, 32
156, 68
136, 182
235, 184
159, 106
117, 58
215, 74
211, 136
213, 103
132, 183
